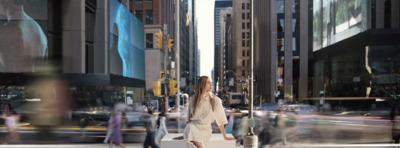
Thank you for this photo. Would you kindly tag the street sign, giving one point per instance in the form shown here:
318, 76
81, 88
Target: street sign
231, 82
183, 82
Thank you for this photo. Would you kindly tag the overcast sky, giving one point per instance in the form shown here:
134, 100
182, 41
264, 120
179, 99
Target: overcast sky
205, 15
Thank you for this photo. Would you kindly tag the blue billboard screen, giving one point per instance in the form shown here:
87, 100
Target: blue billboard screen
126, 51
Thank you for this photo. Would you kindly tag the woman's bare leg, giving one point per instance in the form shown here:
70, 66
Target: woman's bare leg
198, 144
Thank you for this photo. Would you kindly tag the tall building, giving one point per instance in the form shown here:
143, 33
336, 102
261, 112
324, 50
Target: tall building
224, 47
356, 48
154, 14
219, 5
241, 46
193, 49
281, 49
185, 45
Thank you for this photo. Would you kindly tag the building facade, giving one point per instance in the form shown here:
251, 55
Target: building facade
281, 50
99, 56
241, 46
224, 48
219, 5
154, 14
356, 48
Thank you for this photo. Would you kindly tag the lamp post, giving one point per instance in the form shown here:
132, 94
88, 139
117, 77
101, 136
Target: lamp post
251, 139
177, 46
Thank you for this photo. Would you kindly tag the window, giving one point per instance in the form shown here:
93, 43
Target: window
243, 5
248, 43
138, 0
248, 61
243, 72
248, 5
243, 53
248, 54
149, 0
248, 25
243, 43
139, 14
149, 40
248, 35
243, 35
149, 16
243, 25
243, 16
248, 15
243, 63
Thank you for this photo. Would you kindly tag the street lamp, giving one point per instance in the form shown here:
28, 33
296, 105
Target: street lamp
251, 139
184, 72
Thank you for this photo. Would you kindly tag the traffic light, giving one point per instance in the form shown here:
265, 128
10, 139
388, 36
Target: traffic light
161, 75
172, 87
157, 88
170, 44
159, 39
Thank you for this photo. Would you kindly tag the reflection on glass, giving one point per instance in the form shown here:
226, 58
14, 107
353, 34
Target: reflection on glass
22, 39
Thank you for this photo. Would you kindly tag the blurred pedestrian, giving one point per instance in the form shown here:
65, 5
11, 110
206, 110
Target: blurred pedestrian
116, 136
83, 122
150, 124
281, 124
395, 118
11, 120
162, 128
242, 131
110, 128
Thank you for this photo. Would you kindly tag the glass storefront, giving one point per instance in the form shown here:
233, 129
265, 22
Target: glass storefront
373, 72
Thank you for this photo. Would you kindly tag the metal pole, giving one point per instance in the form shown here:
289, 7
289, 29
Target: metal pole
251, 140
177, 50
165, 67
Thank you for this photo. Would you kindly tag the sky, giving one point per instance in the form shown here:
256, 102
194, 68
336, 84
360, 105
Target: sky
205, 15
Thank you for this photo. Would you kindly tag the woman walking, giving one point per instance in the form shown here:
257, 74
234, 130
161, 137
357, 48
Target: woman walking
116, 136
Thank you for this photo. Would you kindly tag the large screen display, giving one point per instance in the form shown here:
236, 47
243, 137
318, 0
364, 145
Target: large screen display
336, 20
23, 41
126, 52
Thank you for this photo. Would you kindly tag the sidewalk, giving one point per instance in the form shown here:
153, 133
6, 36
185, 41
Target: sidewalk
136, 145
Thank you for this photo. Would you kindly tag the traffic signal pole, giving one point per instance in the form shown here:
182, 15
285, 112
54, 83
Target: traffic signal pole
177, 47
164, 46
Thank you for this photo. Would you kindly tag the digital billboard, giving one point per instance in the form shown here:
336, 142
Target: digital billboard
23, 41
126, 51
336, 20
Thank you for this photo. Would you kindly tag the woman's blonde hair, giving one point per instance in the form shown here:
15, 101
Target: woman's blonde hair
200, 89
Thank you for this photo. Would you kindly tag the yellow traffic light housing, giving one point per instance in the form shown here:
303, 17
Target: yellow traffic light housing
157, 88
159, 39
172, 87
161, 75
170, 44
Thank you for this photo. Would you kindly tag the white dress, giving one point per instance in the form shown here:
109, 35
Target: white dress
198, 127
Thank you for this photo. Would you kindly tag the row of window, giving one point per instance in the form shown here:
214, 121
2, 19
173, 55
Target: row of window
244, 35
244, 25
149, 16
244, 53
244, 43
243, 6
244, 16
244, 62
